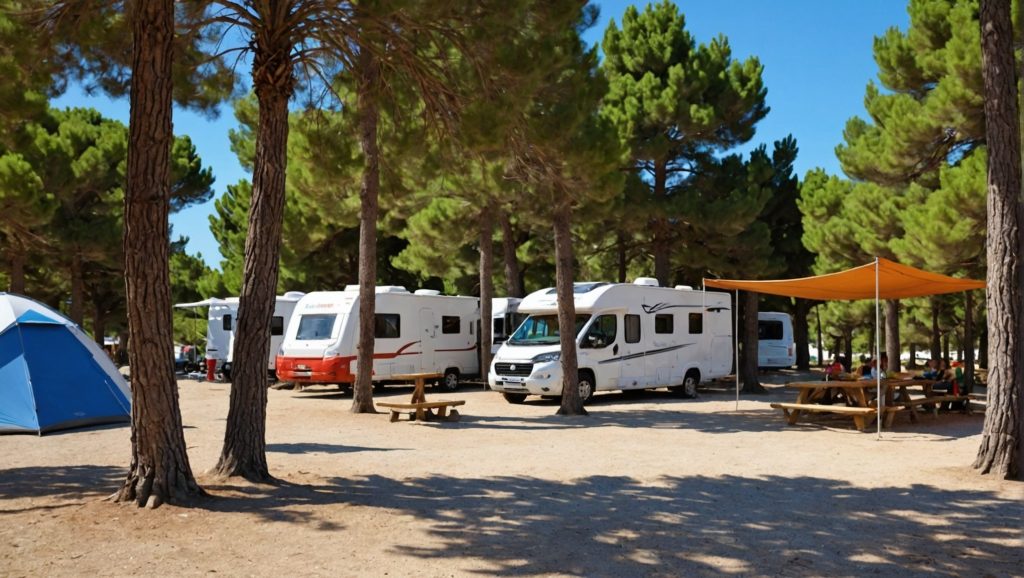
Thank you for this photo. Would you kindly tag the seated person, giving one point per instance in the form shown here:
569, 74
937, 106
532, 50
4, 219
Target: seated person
944, 375
874, 373
932, 371
833, 370
865, 367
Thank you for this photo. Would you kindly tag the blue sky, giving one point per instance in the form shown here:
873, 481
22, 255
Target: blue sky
816, 55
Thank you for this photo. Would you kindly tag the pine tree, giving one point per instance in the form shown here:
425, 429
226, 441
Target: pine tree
678, 105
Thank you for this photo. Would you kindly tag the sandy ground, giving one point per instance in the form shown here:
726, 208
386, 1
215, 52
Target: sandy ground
647, 485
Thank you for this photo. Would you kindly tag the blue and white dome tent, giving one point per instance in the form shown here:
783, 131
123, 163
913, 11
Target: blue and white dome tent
52, 375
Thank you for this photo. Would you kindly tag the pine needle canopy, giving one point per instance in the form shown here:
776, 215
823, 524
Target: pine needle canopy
895, 281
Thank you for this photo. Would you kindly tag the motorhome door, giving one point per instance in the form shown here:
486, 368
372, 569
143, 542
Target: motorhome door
632, 354
600, 348
428, 334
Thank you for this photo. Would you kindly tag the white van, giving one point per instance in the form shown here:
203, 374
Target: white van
628, 336
222, 319
775, 348
505, 319
421, 332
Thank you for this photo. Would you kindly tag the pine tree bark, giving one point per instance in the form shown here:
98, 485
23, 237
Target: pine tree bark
620, 256
17, 274
892, 335
968, 340
99, 324
749, 377
76, 312
1002, 450
245, 441
486, 286
571, 404
159, 470
660, 247
513, 274
368, 117
848, 350
912, 363
936, 334
801, 310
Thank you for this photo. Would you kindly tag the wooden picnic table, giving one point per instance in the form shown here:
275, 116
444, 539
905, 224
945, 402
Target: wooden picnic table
422, 409
857, 398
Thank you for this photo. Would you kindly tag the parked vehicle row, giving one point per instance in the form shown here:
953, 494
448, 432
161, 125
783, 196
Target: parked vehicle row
628, 336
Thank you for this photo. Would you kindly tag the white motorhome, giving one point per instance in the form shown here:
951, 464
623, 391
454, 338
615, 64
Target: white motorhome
775, 348
505, 319
222, 318
628, 336
416, 332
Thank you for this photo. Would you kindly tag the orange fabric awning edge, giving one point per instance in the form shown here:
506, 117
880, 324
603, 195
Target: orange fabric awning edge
895, 281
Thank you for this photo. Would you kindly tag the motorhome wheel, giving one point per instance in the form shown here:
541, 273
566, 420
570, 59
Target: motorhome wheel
515, 398
451, 380
689, 387
585, 383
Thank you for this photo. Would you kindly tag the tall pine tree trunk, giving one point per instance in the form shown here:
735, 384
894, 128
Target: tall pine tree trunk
801, 310
936, 345
892, 335
1002, 449
848, 350
99, 324
912, 363
18, 273
245, 437
486, 286
620, 256
159, 470
968, 340
368, 116
571, 404
748, 364
513, 275
77, 310
661, 245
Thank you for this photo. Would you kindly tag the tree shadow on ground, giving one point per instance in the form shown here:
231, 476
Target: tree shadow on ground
314, 447
71, 484
619, 526
731, 422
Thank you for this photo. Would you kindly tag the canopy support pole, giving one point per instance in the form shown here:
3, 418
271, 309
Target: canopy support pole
879, 400
736, 344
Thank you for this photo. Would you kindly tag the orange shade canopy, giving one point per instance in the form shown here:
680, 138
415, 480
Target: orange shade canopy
895, 281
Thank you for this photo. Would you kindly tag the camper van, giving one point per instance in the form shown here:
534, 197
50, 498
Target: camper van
222, 319
775, 347
628, 336
505, 319
417, 332
284, 306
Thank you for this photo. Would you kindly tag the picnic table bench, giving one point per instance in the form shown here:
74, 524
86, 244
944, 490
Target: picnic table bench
421, 409
855, 399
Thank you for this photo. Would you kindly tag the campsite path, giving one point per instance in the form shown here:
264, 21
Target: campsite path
647, 485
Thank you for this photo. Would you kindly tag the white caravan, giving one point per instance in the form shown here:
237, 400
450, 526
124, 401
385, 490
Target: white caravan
775, 346
628, 336
505, 319
222, 319
421, 332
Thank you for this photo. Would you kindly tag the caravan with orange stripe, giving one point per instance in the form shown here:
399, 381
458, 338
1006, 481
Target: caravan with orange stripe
417, 332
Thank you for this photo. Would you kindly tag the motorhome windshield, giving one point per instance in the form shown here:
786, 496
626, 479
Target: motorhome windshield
542, 330
313, 327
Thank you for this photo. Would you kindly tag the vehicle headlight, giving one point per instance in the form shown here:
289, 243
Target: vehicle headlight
548, 357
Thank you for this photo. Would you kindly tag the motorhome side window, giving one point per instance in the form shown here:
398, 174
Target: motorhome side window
696, 323
277, 325
387, 326
227, 323
632, 323
664, 323
499, 328
769, 330
601, 333
450, 324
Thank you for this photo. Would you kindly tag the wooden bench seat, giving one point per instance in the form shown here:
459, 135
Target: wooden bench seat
860, 415
421, 410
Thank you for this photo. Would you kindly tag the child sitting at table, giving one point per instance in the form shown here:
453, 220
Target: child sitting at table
933, 370
833, 370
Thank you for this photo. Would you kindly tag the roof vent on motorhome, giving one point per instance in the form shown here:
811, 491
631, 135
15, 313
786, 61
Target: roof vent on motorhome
426, 292
646, 281
684, 287
293, 295
351, 287
390, 289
